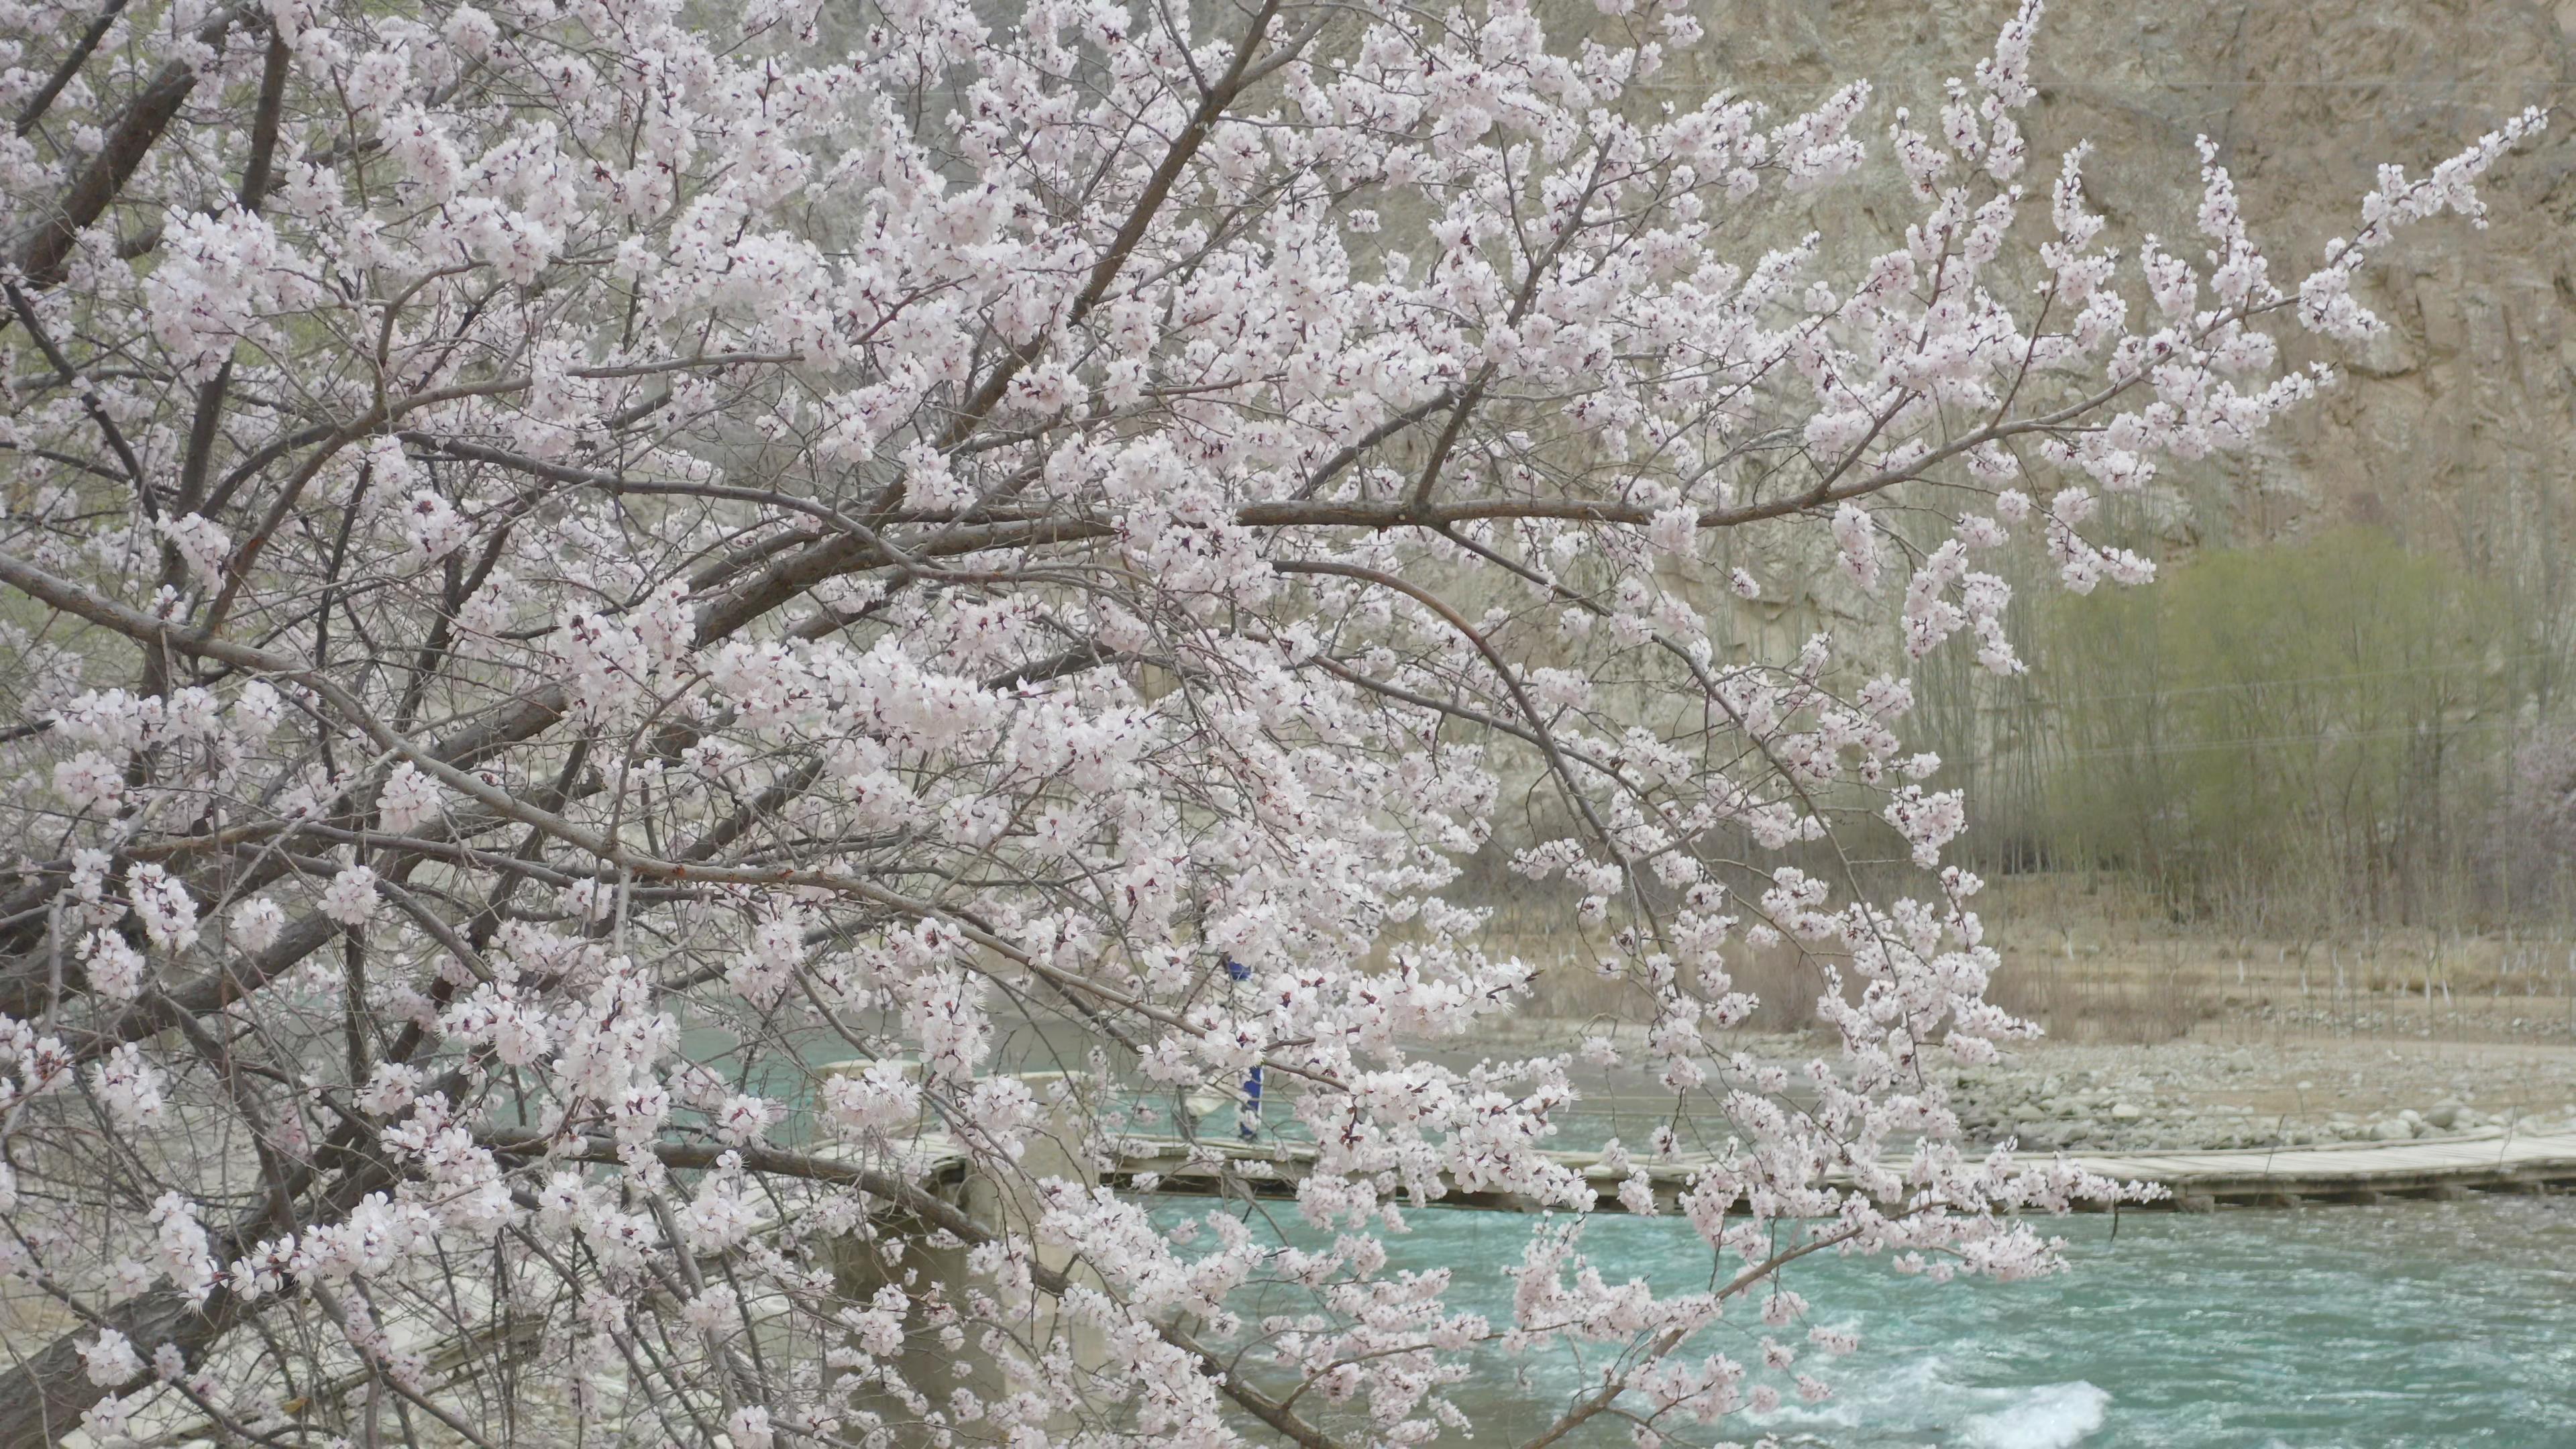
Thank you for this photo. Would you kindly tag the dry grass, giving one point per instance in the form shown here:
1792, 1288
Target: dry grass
2091, 962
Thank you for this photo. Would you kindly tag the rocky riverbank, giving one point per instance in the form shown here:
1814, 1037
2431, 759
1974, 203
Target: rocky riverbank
2191, 1093
2217, 1095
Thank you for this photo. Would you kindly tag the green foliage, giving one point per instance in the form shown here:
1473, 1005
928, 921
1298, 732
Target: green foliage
2312, 727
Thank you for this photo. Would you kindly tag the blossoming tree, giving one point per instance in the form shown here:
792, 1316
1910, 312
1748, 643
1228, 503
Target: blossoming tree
566, 561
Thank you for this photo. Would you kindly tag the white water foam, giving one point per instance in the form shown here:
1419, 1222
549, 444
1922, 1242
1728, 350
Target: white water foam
2051, 1416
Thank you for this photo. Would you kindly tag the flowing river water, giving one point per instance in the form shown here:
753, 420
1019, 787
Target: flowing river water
2410, 1325
2413, 1324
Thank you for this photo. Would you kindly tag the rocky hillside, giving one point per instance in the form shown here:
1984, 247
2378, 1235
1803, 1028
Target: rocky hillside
2459, 429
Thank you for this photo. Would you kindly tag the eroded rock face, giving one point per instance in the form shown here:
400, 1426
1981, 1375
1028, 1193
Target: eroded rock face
2473, 390
2458, 429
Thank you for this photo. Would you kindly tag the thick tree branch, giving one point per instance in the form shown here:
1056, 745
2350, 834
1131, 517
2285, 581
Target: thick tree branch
43, 255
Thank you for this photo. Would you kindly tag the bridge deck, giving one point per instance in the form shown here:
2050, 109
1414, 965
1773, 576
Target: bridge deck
2493, 1161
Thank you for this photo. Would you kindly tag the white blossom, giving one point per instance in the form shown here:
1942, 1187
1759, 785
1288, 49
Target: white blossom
351, 897
1032, 549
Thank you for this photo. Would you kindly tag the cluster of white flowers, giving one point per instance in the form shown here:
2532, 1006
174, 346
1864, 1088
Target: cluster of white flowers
660, 547
350, 898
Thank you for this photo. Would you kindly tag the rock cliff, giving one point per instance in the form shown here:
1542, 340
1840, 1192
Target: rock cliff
2458, 429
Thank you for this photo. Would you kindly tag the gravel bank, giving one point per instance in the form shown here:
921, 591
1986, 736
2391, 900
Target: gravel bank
2183, 1094
2192, 1094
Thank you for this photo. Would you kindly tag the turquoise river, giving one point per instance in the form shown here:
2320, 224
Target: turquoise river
2415, 1324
